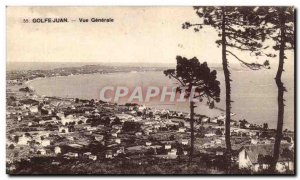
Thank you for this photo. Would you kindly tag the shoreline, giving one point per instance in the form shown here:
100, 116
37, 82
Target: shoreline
176, 109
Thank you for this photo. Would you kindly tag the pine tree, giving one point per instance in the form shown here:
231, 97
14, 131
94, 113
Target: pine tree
277, 23
237, 30
196, 81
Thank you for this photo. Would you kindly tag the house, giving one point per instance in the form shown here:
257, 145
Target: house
217, 141
247, 125
181, 129
254, 141
257, 157
210, 134
207, 145
93, 157
168, 146
89, 128
45, 142
67, 120
34, 109
121, 150
254, 133
118, 140
173, 152
23, 140
138, 133
70, 138
109, 154
219, 151
142, 108
57, 150
98, 137
41, 151
87, 154
205, 120
184, 142
71, 155
148, 143
215, 120
82, 119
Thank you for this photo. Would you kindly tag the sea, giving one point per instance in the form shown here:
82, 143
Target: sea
254, 93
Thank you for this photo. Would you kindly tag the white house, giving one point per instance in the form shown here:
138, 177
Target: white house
71, 155
168, 146
210, 134
118, 140
184, 142
41, 151
23, 140
68, 119
57, 150
109, 154
204, 120
34, 109
45, 142
181, 129
215, 120
252, 157
173, 152
87, 153
138, 133
93, 157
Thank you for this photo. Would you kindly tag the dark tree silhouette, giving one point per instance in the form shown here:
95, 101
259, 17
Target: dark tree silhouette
238, 31
196, 81
278, 24
265, 126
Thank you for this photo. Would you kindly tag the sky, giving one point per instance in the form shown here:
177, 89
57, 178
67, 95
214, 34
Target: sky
138, 34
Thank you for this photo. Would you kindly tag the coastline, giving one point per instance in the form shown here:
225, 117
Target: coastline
201, 110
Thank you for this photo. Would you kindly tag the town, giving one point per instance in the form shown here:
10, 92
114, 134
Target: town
53, 131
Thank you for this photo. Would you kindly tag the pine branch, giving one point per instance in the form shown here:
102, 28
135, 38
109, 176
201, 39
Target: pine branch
252, 66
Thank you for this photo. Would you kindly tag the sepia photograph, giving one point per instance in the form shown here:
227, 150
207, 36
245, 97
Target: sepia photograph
150, 90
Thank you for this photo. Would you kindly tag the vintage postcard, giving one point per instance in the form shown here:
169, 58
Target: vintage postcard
150, 90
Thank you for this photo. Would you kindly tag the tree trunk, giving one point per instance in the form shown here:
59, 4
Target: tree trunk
227, 91
192, 130
280, 92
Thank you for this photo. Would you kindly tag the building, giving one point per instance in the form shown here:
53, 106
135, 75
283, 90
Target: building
34, 109
184, 141
256, 157
41, 151
23, 140
71, 155
173, 152
168, 146
45, 142
93, 157
109, 154
69, 119
118, 140
182, 129
57, 150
